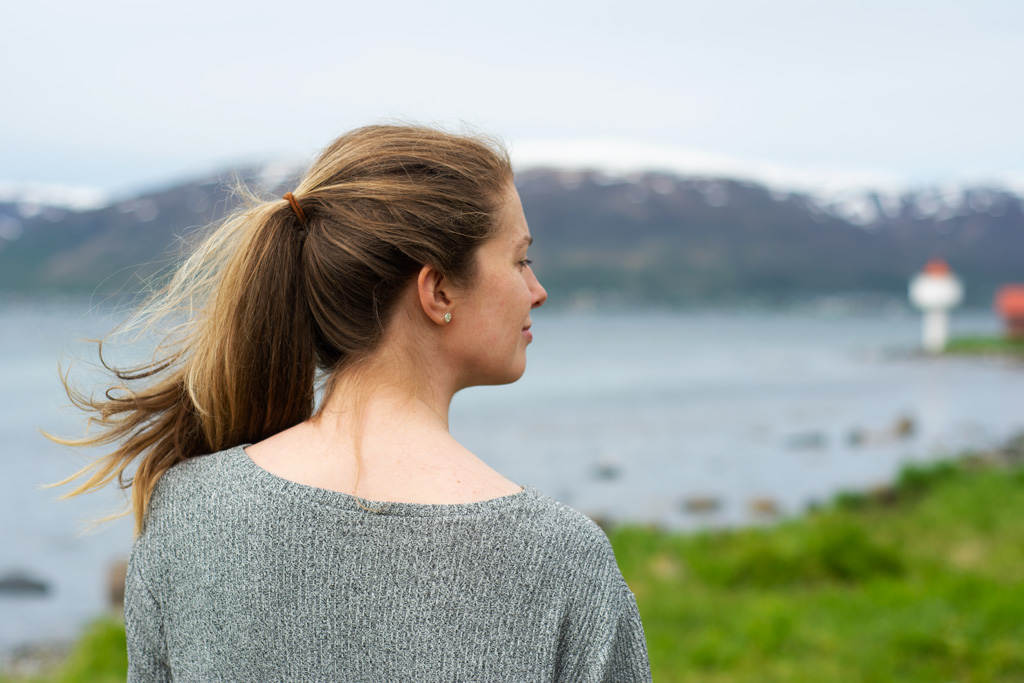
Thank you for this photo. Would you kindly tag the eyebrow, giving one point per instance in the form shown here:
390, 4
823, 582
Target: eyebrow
528, 240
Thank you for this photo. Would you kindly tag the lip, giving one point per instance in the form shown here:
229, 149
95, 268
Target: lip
527, 333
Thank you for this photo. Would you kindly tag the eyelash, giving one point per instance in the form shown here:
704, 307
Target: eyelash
525, 262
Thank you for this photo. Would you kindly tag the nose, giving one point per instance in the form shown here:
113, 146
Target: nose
540, 295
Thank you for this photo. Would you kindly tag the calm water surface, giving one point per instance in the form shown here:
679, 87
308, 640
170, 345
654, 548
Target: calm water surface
624, 416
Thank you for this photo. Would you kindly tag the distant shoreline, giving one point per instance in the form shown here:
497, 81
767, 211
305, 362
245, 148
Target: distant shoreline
986, 346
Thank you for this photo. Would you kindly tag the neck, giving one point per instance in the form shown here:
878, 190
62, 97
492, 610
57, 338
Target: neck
382, 433
388, 389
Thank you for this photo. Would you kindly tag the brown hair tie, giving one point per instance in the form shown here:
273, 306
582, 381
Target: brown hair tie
299, 213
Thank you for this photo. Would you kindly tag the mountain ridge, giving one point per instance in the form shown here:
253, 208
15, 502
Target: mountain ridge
642, 235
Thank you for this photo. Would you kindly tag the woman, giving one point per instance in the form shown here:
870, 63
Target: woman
353, 540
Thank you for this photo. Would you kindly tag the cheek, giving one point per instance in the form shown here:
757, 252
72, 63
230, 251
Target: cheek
519, 302
524, 297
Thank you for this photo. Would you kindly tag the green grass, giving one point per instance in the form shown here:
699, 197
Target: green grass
99, 656
986, 346
921, 582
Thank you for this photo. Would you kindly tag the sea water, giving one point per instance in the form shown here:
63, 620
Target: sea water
680, 419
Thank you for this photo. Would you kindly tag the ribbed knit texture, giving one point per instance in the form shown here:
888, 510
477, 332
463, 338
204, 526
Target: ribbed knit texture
241, 575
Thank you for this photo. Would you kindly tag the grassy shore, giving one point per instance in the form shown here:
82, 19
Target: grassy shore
986, 346
99, 656
920, 582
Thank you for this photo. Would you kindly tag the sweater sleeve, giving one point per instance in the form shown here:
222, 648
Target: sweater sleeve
147, 659
608, 649
627, 651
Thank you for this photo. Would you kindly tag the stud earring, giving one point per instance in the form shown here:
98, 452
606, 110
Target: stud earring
447, 317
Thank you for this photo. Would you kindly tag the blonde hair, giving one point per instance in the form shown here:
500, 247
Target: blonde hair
267, 301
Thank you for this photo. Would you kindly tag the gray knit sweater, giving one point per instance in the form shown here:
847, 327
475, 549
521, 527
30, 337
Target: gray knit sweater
241, 575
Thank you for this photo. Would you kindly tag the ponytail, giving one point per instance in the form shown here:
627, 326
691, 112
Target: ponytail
239, 368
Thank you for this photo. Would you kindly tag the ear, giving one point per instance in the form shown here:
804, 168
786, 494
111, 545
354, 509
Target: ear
431, 286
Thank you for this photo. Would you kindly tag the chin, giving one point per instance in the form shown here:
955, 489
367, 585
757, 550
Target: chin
516, 376
505, 379
518, 371
507, 376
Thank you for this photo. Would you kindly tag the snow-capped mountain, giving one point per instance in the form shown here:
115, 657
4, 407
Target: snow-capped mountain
714, 231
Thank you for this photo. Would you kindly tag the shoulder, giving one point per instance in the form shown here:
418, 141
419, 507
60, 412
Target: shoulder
194, 474
577, 545
190, 486
197, 468
567, 523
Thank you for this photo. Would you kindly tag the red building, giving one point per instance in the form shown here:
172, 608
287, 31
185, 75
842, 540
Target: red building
1010, 304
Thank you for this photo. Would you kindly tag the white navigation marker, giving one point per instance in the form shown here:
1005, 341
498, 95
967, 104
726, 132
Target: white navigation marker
935, 291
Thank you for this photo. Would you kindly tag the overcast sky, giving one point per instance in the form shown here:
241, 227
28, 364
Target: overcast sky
122, 95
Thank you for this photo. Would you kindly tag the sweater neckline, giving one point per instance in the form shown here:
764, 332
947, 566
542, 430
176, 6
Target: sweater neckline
346, 501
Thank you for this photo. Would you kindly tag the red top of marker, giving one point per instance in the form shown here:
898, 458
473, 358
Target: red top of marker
1010, 301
